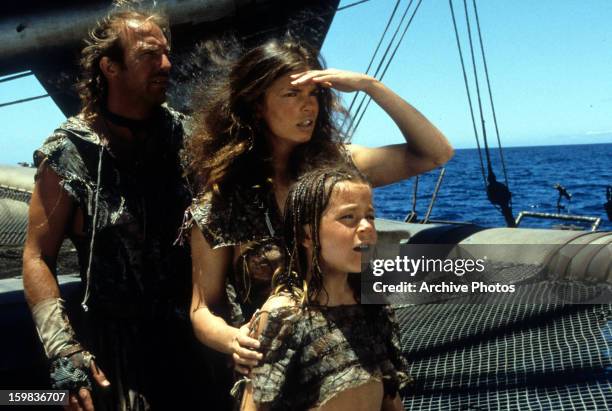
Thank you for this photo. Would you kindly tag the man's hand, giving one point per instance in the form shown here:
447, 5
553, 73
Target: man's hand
74, 373
81, 400
244, 351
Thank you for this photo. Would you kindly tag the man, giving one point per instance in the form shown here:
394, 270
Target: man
110, 180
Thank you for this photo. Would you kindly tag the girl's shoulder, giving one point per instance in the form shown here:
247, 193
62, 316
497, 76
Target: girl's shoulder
279, 310
278, 326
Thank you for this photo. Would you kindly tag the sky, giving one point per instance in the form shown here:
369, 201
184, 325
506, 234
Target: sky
549, 63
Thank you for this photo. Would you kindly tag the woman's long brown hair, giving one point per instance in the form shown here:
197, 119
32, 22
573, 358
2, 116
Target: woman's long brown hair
227, 143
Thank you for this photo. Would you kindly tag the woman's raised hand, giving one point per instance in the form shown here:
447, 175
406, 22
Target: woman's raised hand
342, 80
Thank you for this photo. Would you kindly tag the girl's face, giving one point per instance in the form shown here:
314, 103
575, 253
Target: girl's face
347, 228
290, 112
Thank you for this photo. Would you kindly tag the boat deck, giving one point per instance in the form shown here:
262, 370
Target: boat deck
514, 356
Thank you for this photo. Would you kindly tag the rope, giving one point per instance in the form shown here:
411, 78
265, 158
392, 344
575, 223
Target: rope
412, 215
476, 82
93, 233
390, 60
348, 6
374, 56
469, 95
352, 127
486, 70
498, 194
434, 196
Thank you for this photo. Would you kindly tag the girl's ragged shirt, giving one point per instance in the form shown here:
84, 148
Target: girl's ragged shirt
312, 354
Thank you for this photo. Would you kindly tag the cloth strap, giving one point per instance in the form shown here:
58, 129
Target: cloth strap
54, 329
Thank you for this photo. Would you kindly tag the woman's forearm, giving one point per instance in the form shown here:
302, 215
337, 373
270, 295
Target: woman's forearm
422, 137
212, 330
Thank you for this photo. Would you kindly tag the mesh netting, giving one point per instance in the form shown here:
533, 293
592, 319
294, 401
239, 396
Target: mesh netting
508, 356
15, 194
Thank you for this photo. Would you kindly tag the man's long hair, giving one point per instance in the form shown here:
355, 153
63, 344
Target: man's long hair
105, 40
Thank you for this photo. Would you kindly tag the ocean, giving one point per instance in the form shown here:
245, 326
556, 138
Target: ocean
584, 170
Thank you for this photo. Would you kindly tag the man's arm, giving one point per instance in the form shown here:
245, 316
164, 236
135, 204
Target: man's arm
49, 222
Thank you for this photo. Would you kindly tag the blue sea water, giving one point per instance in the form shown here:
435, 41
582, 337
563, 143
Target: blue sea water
584, 170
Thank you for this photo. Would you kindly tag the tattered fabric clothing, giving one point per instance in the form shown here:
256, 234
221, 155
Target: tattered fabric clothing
139, 282
312, 354
248, 217
138, 211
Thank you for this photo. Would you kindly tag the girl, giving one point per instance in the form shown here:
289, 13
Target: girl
322, 349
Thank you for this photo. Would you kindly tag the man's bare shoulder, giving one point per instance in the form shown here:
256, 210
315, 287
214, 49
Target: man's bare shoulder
46, 176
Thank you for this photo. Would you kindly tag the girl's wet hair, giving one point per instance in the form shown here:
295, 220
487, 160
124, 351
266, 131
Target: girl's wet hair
227, 143
306, 202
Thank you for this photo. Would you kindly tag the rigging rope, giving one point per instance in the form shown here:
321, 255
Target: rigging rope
389, 61
469, 95
486, 70
482, 121
352, 127
434, 196
497, 193
348, 6
412, 215
374, 56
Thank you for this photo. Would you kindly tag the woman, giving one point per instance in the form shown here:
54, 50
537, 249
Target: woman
322, 349
269, 122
